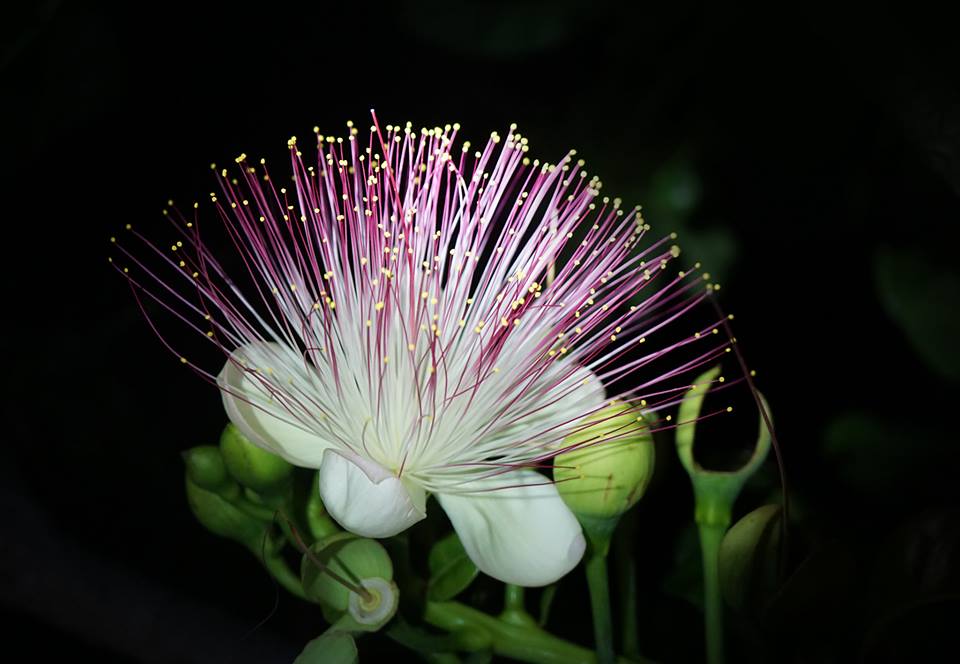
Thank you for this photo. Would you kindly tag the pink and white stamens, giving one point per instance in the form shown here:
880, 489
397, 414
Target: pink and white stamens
415, 316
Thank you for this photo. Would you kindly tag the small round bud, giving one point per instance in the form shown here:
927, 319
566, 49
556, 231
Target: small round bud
608, 474
349, 557
253, 467
206, 469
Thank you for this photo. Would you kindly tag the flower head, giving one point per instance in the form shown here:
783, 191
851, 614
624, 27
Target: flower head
414, 316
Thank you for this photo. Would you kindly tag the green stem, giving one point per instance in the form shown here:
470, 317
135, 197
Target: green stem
626, 573
513, 598
710, 537
631, 644
600, 605
523, 643
514, 607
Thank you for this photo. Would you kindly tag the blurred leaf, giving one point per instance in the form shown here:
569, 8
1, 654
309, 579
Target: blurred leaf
675, 189
331, 647
748, 557
451, 570
819, 595
496, 29
921, 294
881, 457
670, 203
918, 633
917, 562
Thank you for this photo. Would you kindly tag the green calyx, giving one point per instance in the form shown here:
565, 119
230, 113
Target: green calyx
609, 469
715, 491
251, 466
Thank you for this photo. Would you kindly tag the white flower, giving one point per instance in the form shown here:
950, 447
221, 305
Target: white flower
399, 333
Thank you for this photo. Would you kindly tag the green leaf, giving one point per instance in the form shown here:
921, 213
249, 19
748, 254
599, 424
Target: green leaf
920, 294
748, 558
883, 457
331, 647
451, 569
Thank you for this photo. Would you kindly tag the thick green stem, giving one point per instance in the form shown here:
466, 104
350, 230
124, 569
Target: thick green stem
600, 606
513, 598
710, 537
514, 607
524, 643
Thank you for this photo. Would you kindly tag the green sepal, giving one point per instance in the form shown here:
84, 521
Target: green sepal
715, 491
332, 647
599, 532
451, 570
251, 466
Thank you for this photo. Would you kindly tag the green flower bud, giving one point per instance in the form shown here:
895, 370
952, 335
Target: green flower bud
253, 467
206, 469
356, 560
608, 476
221, 517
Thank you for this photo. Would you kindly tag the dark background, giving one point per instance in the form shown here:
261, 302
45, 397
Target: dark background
810, 158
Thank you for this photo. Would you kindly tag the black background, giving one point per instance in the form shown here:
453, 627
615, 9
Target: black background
813, 154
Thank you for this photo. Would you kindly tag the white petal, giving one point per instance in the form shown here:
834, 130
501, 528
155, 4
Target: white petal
366, 498
522, 534
583, 393
260, 418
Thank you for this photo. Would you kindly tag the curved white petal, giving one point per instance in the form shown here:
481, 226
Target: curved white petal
573, 392
522, 533
582, 392
261, 418
367, 499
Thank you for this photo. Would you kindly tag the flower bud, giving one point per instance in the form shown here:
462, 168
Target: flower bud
360, 561
609, 473
223, 518
206, 469
252, 466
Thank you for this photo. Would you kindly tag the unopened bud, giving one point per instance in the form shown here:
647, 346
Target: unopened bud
223, 518
252, 466
607, 470
611, 469
351, 575
206, 469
